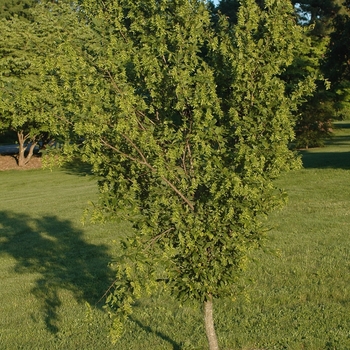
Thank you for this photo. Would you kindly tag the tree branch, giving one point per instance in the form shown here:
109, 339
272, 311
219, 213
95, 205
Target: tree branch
114, 84
143, 161
156, 238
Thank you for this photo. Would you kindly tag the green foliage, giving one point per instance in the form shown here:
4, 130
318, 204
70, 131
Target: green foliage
20, 8
313, 115
229, 8
17, 79
337, 63
26, 107
325, 55
187, 157
314, 126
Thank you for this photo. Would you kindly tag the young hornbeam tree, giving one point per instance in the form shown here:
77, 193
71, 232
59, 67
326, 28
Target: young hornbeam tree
186, 124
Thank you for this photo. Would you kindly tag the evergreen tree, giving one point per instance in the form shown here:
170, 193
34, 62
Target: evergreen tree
328, 36
337, 65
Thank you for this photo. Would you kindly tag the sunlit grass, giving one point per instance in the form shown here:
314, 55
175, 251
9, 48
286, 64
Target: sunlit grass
50, 265
294, 295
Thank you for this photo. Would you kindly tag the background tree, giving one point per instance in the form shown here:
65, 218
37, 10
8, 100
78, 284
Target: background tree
228, 8
188, 158
314, 116
337, 61
324, 53
330, 100
20, 105
25, 106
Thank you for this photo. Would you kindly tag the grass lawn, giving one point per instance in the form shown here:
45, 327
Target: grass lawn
295, 294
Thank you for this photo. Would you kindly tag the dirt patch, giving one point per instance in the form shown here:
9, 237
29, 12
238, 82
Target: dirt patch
9, 162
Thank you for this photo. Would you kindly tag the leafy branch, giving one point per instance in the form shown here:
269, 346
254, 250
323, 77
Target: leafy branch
143, 161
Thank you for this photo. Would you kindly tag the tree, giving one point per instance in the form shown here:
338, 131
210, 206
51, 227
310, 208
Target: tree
313, 115
331, 99
25, 105
337, 66
20, 104
185, 156
21, 8
229, 8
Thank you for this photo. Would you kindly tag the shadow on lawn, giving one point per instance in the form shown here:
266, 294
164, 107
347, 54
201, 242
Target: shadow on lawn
57, 251
161, 335
77, 167
321, 160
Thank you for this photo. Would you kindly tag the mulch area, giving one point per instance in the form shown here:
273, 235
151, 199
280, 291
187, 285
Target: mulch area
9, 162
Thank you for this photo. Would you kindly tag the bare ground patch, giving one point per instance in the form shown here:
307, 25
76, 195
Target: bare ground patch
9, 162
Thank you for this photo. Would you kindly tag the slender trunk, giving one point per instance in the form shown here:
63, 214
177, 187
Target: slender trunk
209, 324
30, 153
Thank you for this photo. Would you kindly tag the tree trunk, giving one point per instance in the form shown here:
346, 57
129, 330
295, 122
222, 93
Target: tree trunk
209, 324
22, 159
30, 153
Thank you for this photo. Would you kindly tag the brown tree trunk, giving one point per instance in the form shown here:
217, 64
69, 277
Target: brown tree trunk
31, 152
22, 159
209, 324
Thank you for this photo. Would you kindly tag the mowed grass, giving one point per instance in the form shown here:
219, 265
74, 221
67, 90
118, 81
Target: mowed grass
295, 293
51, 265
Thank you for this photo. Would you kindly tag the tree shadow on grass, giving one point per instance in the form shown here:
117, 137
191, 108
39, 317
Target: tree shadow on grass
342, 125
77, 167
161, 335
56, 250
340, 159
322, 160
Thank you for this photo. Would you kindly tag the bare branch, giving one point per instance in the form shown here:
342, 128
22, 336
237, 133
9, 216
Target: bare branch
113, 82
187, 150
144, 160
143, 115
107, 291
120, 152
158, 237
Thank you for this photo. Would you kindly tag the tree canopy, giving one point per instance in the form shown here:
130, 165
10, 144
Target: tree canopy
324, 55
25, 106
186, 126
20, 8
